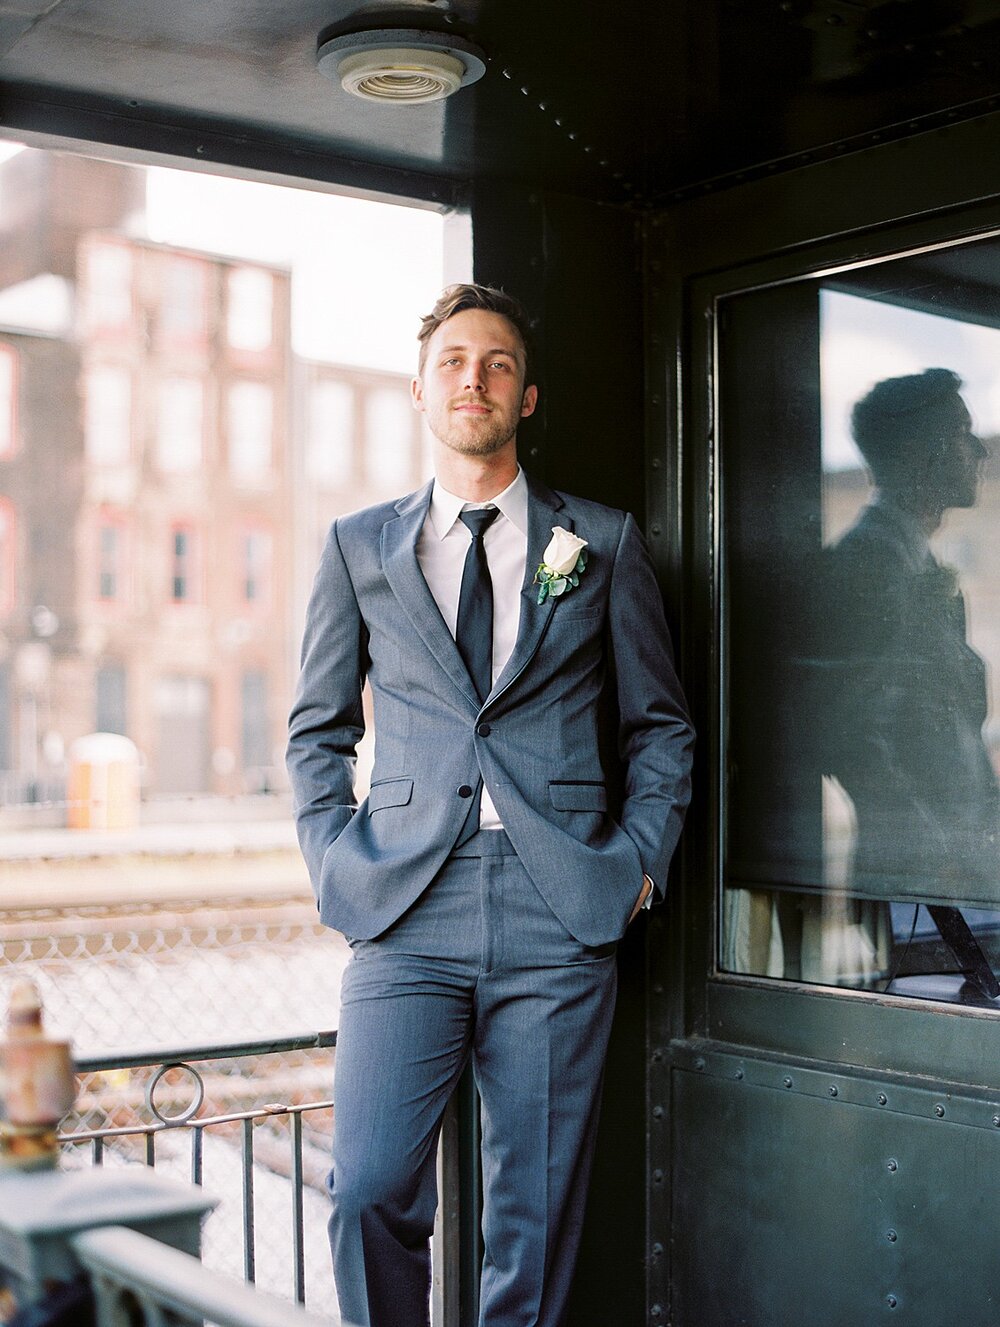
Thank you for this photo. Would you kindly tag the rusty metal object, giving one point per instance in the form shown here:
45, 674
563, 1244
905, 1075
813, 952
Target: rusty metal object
37, 1085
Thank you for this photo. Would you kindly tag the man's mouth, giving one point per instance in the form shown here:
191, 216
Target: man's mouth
473, 407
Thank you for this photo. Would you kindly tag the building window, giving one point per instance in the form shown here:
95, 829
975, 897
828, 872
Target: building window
330, 451
183, 565
255, 567
108, 415
180, 425
250, 408
110, 700
8, 400
111, 560
109, 286
184, 304
388, 437
8, 555
250, 309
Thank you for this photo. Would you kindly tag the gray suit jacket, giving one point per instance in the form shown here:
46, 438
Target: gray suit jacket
588, 808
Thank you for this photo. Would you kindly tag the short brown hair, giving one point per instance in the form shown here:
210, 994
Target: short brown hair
464, 295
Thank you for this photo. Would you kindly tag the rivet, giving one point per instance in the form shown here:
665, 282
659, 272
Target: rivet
939, 1111
656, 399
526, 92
699, 1062
655, 463
787, 1080
657, 1176
573, 136
891, 1236
996, 1121
543, 106
657, 1112
892, 1164
833, 1090
891, 1300
657, 1250
738, 1074
882, 1099
656, 1311
657, 1056
657, 529
507, 73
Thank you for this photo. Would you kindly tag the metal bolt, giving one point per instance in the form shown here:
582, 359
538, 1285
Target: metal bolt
657, 1251
655, 463
939, 1111
657, 1056
833, 1090
656, 1311
657, 1176
787, 1080
996, 1121
891, 1236
892, 1164
891, 1300
882, 1099
657, 1112
657, 529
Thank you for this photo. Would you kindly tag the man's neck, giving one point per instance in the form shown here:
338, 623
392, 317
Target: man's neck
475, 478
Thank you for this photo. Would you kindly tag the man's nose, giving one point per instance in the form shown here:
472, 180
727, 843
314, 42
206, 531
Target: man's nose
475, 379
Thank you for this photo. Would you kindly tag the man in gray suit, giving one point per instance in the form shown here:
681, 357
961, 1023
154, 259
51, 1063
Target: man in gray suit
531, 774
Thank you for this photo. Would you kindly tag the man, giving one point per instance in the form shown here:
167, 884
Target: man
910, 697
489, 874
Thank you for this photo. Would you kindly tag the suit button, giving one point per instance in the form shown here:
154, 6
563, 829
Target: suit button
465, 790
483, 730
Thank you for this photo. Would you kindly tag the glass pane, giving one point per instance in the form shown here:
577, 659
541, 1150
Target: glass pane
860, 420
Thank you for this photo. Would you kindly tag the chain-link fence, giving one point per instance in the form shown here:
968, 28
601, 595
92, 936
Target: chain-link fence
137, 986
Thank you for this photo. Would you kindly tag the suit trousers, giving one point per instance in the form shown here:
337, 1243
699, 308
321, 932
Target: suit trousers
480, 967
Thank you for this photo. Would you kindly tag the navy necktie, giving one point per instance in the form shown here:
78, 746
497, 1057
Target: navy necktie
474, 628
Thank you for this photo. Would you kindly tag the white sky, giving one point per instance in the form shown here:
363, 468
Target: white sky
362, 273
863, 341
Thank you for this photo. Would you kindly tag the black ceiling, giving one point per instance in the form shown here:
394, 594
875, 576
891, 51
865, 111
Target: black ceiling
634, 100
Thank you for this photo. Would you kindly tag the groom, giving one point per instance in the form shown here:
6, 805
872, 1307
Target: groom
531, 774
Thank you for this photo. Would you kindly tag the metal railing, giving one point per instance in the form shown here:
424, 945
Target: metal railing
138, 1279
235, 1125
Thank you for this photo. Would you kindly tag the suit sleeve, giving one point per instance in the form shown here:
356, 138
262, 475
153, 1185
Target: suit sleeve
655, 737
327, 718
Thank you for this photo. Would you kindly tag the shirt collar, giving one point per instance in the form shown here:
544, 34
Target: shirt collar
512, 502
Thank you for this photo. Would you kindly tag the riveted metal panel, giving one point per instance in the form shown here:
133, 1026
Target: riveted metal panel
793, 1205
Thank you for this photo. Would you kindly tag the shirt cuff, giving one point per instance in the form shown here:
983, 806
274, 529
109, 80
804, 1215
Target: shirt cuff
650, 896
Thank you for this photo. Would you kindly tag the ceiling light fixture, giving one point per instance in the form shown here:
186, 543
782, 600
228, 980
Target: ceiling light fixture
401, 66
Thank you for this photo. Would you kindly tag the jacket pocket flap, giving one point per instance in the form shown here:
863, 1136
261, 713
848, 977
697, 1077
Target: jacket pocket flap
579, 796
393, 792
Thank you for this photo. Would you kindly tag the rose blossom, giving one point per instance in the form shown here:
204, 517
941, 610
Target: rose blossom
563, 551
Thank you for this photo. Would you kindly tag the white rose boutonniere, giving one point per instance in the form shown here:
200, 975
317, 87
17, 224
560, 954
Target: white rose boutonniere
562, 564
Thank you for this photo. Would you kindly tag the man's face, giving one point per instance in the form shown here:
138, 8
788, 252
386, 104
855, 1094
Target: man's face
954, 477
471, 387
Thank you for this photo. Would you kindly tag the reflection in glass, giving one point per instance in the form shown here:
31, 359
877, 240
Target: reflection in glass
862, 798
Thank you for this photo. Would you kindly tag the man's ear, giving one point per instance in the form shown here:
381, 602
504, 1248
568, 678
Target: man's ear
417, 393
528, 401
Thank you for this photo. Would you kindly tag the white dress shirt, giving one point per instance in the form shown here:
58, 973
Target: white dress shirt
441, 549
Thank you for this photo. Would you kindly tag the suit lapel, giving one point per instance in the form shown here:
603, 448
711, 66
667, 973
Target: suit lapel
402, 571
544, 508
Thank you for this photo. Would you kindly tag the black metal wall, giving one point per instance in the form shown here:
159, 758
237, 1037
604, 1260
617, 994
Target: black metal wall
815, 1156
